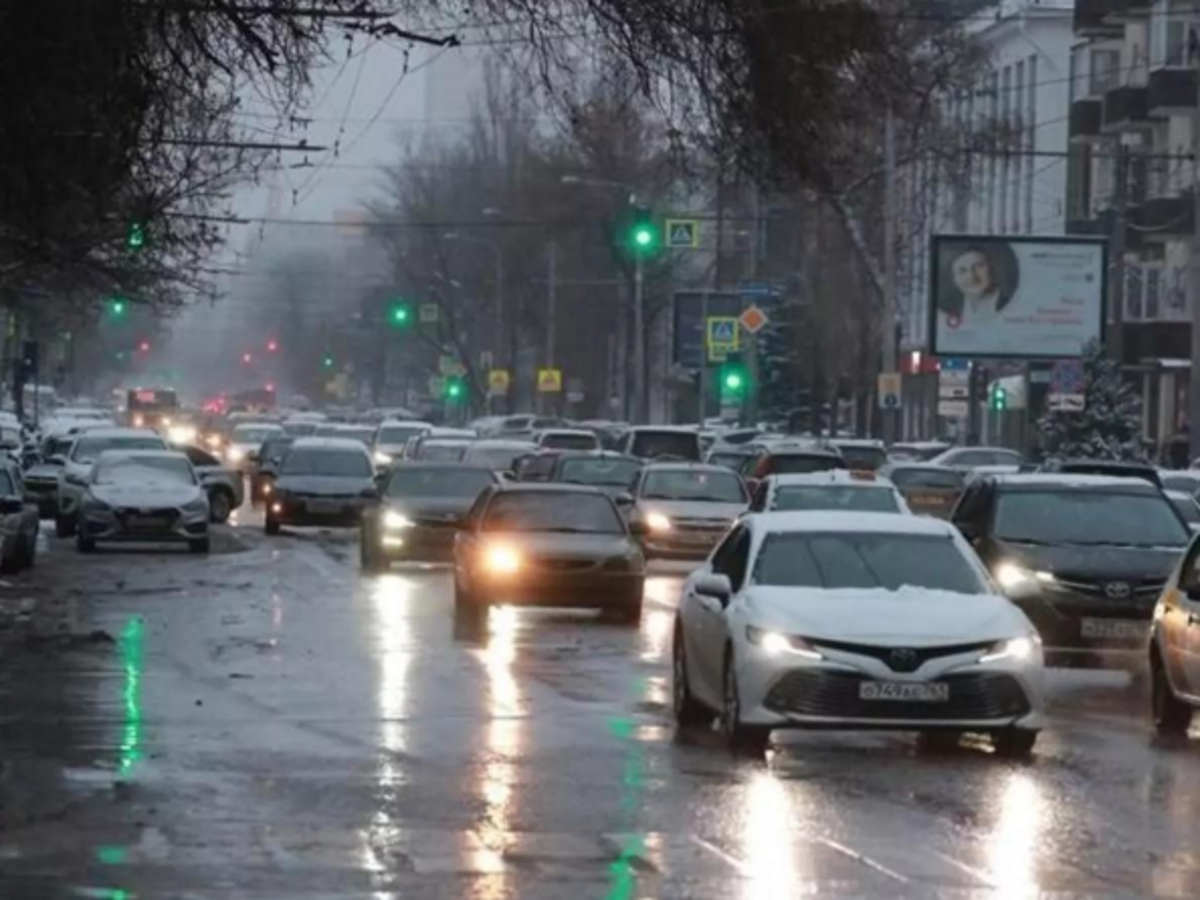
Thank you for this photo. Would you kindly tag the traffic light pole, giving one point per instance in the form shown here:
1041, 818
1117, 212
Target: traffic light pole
639, 343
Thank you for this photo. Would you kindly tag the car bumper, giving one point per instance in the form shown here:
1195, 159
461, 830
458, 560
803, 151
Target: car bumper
1090, 632
303, 511
434, 543
595, 590
682, 545
784, 693
109, 526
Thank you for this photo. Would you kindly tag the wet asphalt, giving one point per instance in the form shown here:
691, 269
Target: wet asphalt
267, 722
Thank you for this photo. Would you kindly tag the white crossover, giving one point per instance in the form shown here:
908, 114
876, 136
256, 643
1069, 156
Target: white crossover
853, 620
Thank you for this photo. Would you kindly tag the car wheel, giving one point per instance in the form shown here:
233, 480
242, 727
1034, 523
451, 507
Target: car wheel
84, 544
10, 564
744, 740
1014, 743
270, 525
200, 545
1172, 716
630, 610
28, 552
64, 526
689, 712
220, 506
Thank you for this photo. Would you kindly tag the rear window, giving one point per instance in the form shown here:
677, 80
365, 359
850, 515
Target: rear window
89, 449
947, 480
331, 463
396, 435
441, 452
599, 471
570, 442
498, 458
582, 513
1088, 518
655, 444
1187, 484
800, 464
714, 487
838, 498
254, 434
448, 483
869, 458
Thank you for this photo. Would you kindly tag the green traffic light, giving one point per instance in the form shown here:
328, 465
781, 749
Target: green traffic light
643, 237
401, 314
454, 390
117, 307
327, 362
734, 381
136, 239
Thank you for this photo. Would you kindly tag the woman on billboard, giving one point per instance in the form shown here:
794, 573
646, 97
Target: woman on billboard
976, 282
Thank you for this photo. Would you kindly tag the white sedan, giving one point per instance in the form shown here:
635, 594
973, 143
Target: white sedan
853, 620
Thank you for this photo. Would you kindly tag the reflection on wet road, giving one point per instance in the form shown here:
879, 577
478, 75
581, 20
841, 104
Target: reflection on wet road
270, 723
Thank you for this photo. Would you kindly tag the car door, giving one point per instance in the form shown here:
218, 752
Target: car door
467, 537
1180, 625
705, 622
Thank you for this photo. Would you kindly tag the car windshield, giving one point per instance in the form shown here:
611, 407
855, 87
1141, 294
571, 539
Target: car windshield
7, 489
441, 452
138, 470
329, 463
870, 458
570, 442
88, 450
599, 471
843, 498
253, 434
1071, 516
717, 487
498, 458
803, 464
398, 435
864, 561
653, 444
939, 479
566, 512
451, 482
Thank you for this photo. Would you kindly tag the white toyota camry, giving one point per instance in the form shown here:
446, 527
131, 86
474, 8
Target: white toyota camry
853, 620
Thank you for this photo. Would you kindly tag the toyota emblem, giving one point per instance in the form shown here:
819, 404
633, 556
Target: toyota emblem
903, 660
1117, 590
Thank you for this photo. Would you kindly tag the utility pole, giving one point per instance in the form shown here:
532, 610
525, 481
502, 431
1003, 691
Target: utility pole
551, 306
1116, 271
890, 362
702, 378
639, 340
1194, 290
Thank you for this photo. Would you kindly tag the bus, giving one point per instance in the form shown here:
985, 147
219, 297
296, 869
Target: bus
151, 407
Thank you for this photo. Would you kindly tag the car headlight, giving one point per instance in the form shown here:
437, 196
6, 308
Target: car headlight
396, 521
775, 643
181, 434
502, 559
1009, 575
382, 459
1019, 648
657, 521
235, 454
213, 441
268, 489
139, 420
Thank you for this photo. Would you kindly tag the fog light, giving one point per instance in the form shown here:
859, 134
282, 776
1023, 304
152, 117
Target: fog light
276, 507
389, 541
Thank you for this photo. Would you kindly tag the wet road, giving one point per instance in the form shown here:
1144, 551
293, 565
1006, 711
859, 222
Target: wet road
269, 723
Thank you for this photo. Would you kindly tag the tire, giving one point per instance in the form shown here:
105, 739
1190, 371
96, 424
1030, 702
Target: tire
467, 607
11, 563
689, 712
28, 552
743, 740
84, 544
1172, 716
65, 526
220, 505
200, 545
630, 610
1014, 743
270, 525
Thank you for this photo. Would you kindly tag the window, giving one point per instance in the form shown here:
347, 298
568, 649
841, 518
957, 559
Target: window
145, 470
835, 498
398, 435
1169, 25
567, 441
199, 457
254, 434
7, 488
331, 463
1089, 518
1105, 71
87, 450
940, 479
733, 557
599, 470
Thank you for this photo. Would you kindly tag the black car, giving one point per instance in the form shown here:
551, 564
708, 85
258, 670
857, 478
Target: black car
321, 481
1085, 557
421, 507
1113, 468
547, 545
267, 465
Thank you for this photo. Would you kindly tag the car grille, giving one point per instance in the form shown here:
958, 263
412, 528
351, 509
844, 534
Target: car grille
1090, 586
709, 525
165, 517
902, 659
563, 565
973, 696
437, 521
37, 486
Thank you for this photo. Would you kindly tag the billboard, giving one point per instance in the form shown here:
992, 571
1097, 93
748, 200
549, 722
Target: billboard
1027, 297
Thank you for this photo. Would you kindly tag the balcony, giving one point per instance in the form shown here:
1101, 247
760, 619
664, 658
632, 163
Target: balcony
1171, 92
1093, 18
1163, 219
1085, 120
1126, 109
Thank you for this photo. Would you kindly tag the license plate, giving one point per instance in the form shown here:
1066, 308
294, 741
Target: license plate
1113, 628
904, 691
324, 507
147, 524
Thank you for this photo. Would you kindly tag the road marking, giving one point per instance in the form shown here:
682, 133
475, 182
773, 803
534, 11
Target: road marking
850, 853
979, 874
729, 858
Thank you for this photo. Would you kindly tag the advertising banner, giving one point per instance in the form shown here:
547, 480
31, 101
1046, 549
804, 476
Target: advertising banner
1025, 297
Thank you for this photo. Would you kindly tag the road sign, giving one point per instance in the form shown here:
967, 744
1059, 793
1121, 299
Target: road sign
498, 381
691, 309
549, 381
953, 409
889, 390
722, 336
1065, 402
683, 234
1067, 377
753, 320
428, 313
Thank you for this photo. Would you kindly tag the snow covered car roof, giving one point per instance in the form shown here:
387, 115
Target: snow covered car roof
1081, 482
825, 522
847, 477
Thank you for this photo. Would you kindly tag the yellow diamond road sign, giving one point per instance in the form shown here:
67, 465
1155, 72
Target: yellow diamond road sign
498, 380
549, 381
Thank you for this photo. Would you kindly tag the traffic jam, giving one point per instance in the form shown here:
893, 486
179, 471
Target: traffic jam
780, 593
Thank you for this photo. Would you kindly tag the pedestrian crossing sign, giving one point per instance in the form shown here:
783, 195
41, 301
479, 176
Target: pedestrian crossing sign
722, 336
549, 381
683, 233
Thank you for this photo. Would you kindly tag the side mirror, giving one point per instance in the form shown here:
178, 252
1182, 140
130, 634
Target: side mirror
508, 475
716, 586
11, 505
623, 499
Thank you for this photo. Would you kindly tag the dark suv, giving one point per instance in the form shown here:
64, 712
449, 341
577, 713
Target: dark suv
1084, 556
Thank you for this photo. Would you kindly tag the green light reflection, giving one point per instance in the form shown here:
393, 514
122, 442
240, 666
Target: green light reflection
111, 856
623, 871
132, 652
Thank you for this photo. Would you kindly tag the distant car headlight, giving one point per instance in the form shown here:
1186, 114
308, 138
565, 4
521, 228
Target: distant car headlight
1019, 649
213, 441
502, 559
139, 420
382, 459
268, 489
181, 434
396, 521
656, 521
1009, 575
235, 454
775, 643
